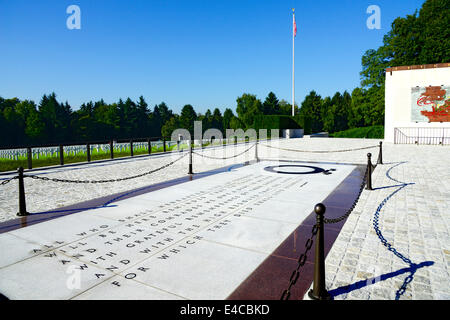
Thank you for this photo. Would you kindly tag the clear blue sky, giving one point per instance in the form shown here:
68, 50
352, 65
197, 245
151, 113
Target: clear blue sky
205, 53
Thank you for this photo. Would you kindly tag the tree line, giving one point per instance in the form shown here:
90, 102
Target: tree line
420, 38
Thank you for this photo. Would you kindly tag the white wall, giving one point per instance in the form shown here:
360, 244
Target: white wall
398, 97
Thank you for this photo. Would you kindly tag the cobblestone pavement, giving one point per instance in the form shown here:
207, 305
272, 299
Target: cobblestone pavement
395, 244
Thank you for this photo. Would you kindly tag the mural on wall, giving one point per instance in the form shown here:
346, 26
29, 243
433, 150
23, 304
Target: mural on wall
430, 104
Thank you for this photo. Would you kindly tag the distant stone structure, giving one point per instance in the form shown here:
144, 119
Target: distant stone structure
417, 104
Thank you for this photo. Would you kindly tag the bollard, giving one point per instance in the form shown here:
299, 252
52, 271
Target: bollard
164, 144
380, 154
319, 292
88, 152
369, 172
256, 151
190, 158
111, 149
131, 148
149, 146
29, 158
235, 140
22, 205
61, 155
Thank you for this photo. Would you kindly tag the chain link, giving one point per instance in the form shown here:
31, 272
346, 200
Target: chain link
312, 151
8, 181
349, 211
301, 262
224, 158
105, 181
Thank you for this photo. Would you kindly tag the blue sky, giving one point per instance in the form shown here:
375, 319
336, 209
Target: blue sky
205, 53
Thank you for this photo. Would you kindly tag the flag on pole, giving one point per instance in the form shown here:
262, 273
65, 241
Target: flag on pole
295, 27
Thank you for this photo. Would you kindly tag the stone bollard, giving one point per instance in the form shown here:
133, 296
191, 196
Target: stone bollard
111, 149
61, 154
22, 205
88, 152
380, 154
29, 158
131, 148
149, 142
319, 292
369, 172
190, 158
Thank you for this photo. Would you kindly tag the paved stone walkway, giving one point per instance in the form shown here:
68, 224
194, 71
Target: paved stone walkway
47, 195
405, 254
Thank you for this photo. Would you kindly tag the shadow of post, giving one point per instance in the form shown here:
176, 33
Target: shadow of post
363, 283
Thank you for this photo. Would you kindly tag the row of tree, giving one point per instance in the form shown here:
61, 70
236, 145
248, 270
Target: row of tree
50, 121
421, 38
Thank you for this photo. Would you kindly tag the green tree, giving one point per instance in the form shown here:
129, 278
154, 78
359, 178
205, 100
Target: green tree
227, 116
422, 38
170, 126
311, 108
187, 118
285, 107
271, 105
217, 120
247, 107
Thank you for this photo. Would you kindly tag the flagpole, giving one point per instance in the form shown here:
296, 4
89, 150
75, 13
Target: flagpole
293, 61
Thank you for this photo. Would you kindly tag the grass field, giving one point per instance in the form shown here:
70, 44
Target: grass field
8, 164
45, 161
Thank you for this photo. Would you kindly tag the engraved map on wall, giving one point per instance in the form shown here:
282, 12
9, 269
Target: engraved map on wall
430, 104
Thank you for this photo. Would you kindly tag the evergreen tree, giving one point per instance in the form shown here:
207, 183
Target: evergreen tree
187, 118
271, 105
227, 116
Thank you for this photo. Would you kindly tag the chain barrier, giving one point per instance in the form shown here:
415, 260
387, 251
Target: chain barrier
224, 158
312, 151
301, 262
8, 181
106, 181
349, 211
302, 259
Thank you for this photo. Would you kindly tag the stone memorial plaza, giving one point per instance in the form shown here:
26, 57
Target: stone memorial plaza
235, 232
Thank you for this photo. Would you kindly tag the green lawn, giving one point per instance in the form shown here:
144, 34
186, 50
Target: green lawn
44, 161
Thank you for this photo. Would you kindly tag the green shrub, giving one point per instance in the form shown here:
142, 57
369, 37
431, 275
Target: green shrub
373, 132
270, 122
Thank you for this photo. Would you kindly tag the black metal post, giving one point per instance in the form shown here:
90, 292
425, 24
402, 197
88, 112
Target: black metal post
319, 292
369, 172
29, 158
164, 144
88, 152
190, 157
380, 154
22, 205
131, 148
149, 141
111, 149
61, 154
235, 140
